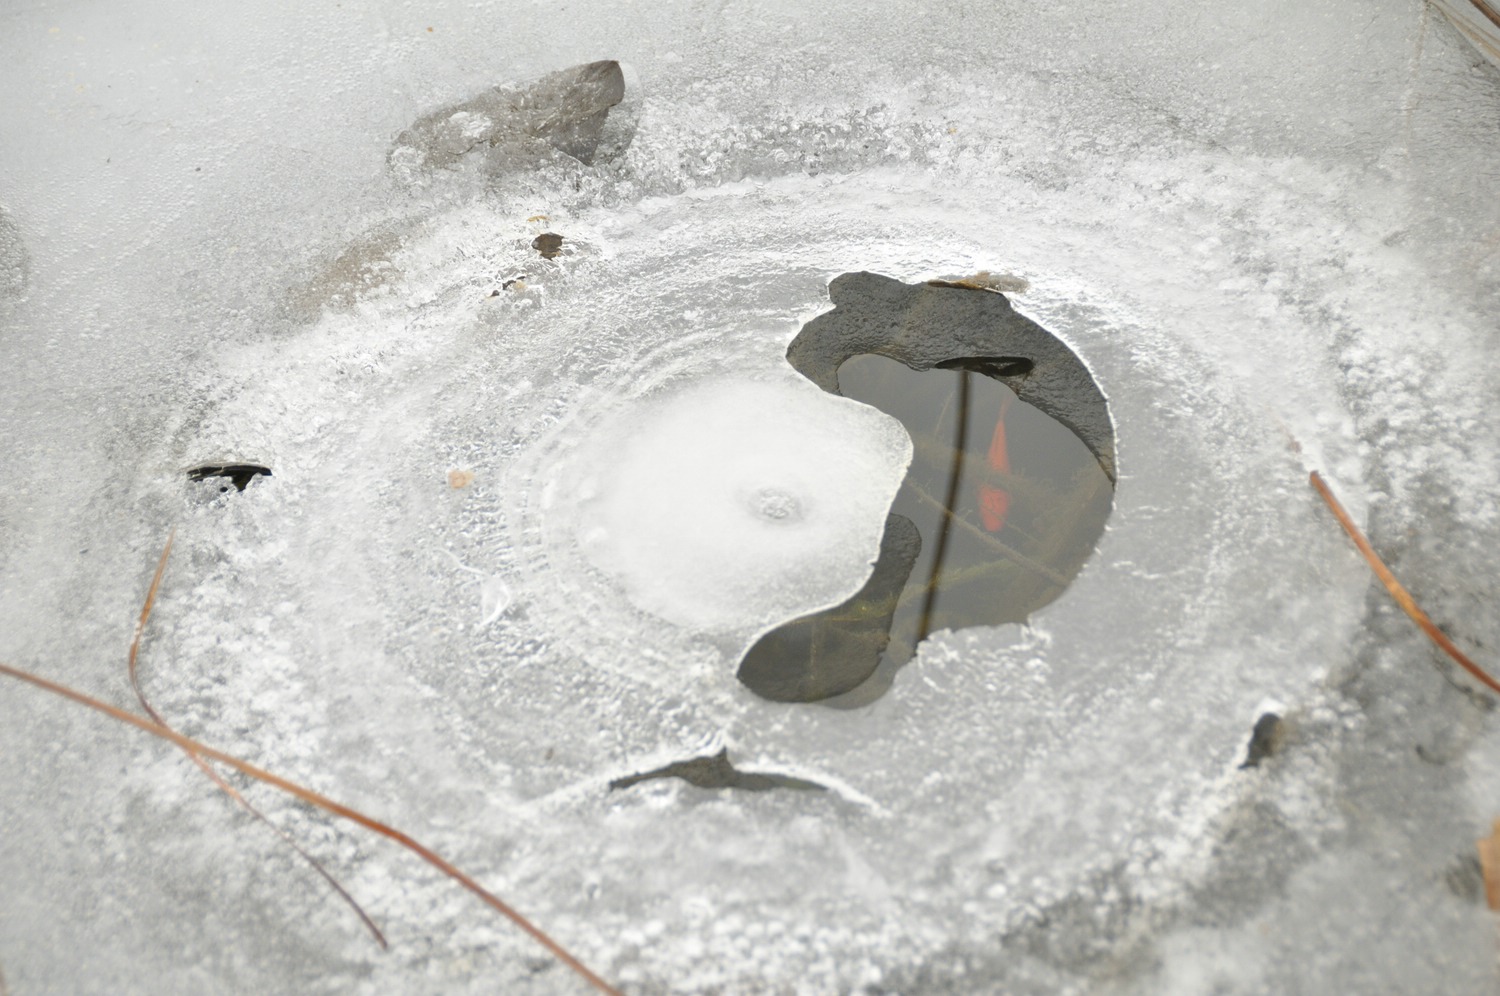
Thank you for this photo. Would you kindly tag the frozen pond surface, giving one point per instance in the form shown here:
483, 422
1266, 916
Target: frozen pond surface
1271, 234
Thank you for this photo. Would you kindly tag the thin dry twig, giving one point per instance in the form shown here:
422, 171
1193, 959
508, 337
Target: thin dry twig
214, 776
1401, 595
322, 802
1489, 865
201, 751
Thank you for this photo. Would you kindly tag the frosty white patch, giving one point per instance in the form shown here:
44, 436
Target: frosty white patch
732, 502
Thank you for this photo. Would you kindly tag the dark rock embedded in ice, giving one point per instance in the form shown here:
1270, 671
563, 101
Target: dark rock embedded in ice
567, 110
1265, 740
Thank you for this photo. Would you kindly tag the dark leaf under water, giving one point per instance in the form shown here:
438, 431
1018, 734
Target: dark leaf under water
716, 772
239, 474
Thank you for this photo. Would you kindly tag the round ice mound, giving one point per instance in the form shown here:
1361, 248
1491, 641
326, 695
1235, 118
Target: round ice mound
735, 504
776, 505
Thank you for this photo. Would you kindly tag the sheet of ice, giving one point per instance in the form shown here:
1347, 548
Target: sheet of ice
732, 505
1261, 228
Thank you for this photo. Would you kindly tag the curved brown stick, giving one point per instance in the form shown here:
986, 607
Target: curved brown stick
214, 776
1401, 595
322, 802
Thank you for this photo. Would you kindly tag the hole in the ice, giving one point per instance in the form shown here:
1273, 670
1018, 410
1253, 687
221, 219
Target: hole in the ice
238, 474
1010, 485
716, 772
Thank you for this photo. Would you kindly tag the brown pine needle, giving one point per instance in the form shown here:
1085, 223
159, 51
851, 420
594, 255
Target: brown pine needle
322, 802
1489, 865
1401, 595
214, 776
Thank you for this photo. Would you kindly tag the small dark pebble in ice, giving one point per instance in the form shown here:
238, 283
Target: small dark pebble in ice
1265, 740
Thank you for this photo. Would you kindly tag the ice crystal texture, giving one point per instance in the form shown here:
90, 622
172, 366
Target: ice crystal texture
1269, 230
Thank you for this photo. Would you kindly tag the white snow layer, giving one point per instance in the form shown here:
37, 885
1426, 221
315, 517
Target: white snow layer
1268, 242
734, 503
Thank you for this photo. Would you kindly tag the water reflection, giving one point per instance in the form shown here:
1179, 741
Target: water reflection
1008, 502
1001, 507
